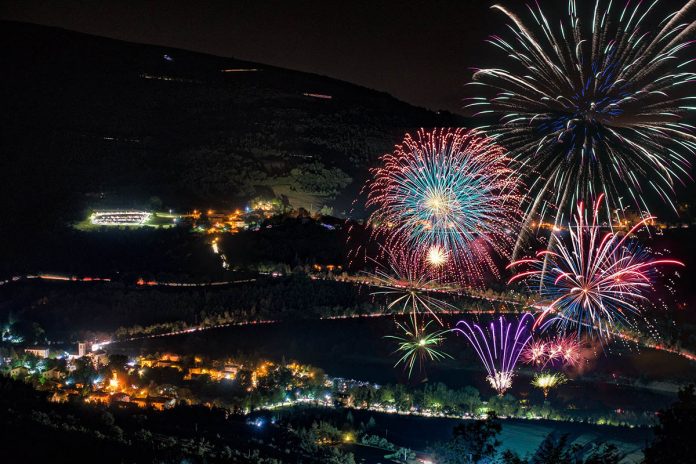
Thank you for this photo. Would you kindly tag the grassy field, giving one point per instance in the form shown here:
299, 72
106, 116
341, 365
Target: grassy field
308, 201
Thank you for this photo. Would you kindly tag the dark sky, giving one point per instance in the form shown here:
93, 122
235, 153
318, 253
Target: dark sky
419, 51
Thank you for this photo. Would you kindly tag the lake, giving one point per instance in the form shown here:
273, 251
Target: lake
356, 348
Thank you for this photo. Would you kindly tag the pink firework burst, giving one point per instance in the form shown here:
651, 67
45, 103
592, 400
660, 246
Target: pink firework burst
564, 351
594, 279
558, 351
535, 353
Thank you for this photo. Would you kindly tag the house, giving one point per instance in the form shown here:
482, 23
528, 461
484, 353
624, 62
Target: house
54, 374
120, 397
163, 363
98, 397
40, 352
230, 371
19, 372
99, 358
159, 403
58, 396
148, 361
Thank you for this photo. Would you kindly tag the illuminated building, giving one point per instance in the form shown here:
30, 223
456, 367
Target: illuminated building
54, 374
19, 372
99, 358
37, 351
83, 348
98, 397
159, 403
120, 218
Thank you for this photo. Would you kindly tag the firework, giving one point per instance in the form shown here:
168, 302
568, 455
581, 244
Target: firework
566, 350
535, 353
499, 347
563, 351
451, 195
546, 381
437, 256
408, 285
594, 281
418, 345
594, 104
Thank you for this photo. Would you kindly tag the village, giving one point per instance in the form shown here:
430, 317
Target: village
162, 381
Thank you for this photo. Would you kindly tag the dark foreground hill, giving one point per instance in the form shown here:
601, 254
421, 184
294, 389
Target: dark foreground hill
88, 119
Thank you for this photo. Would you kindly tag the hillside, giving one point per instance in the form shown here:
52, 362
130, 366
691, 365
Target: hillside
90, 120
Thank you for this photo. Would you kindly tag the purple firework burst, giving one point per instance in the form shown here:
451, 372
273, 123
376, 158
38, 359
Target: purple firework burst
499, 347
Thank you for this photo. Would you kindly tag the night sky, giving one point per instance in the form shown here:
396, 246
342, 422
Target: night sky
420, 52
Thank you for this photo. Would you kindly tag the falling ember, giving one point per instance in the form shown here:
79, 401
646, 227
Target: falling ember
409, 287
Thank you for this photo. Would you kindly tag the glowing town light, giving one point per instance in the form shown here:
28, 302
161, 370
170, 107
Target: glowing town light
120, 218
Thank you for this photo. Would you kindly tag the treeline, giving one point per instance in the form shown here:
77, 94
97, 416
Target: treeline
120, 254
477, 442
295, 242
438, 399
176, 253
64, 313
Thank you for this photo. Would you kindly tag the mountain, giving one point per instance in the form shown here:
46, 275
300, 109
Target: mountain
88, 120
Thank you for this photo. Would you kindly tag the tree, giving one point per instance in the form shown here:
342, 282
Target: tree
510, 457
117, 361
245, 378
472, 442
503, 405
107, 419
471, 398
371, 424
84, 371
558, 450
555, 450
674, 443
30, 332
603, 453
